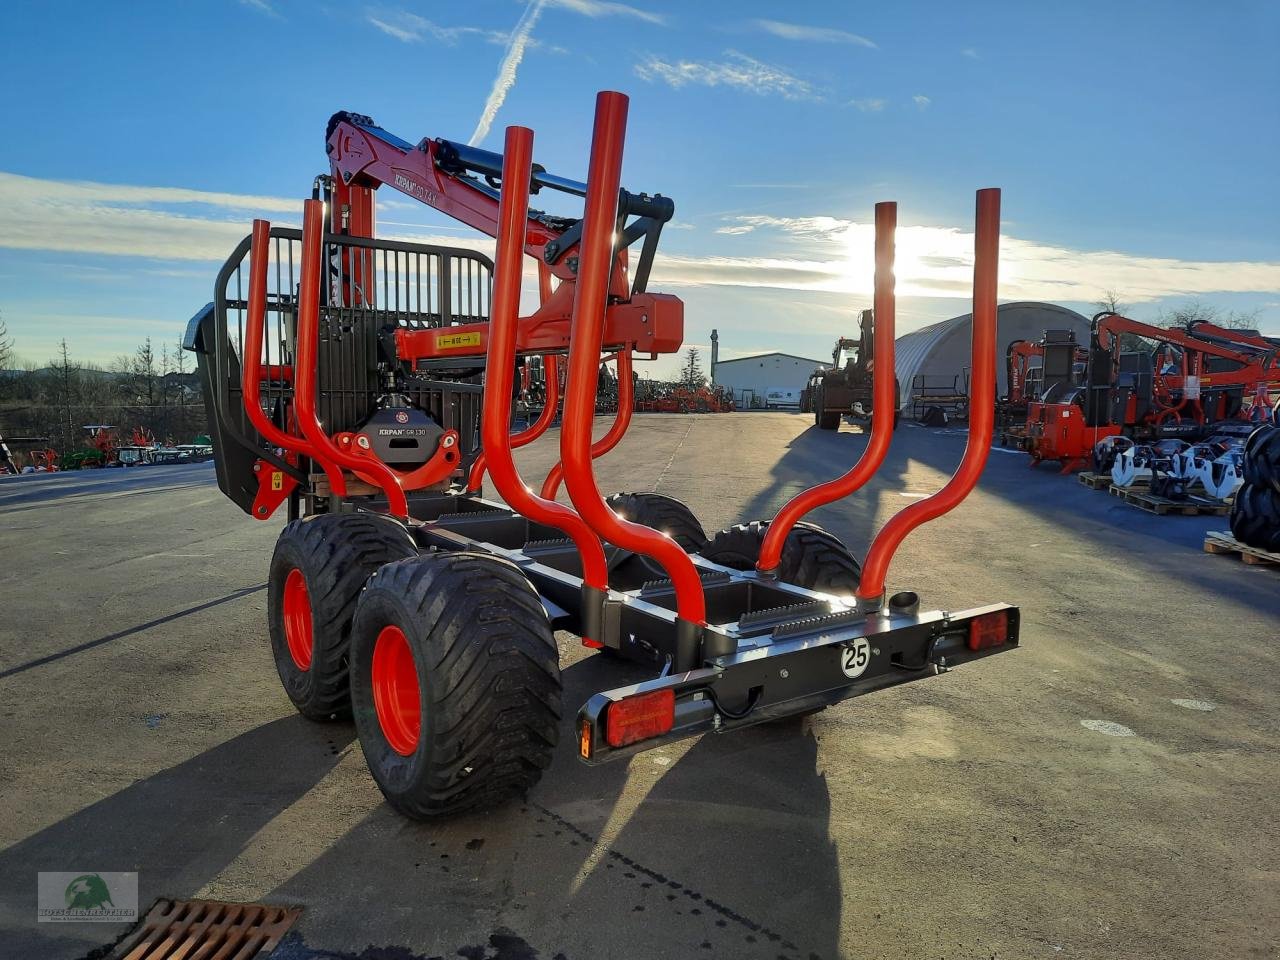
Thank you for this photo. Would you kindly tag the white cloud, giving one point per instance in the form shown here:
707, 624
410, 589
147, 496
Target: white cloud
815, 254
921, 101
869, 104
605, 8
971, 53
262, 6
521, 38
506, 78
830, 254
406, 34
411, 28
796, 31
738, 71
111, 219
14, 186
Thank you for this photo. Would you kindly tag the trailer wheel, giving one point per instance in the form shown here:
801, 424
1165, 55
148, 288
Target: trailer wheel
319, 567
663, 513
1255, 517
811, 557
455, 683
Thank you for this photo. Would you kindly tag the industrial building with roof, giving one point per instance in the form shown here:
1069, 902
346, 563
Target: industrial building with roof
763, 379
940, 353
933, 357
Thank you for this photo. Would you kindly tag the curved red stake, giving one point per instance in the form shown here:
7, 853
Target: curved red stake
882, 404
982, 406
305, 378
251, 360
551, 370
500, 369
551, 486
595, 260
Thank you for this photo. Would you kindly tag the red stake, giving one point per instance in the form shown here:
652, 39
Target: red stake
305, 379
513, 211
251, 360
982, 400
882, 404
551, 486
551, 369
596, 258
551, 372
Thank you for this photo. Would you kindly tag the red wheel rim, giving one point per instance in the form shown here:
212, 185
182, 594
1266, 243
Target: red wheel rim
396, 699
297, 619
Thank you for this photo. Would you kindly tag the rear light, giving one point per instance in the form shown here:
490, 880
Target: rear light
989, 630
640, 717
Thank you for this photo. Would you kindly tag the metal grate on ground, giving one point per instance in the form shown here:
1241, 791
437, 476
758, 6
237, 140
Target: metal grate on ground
206, 930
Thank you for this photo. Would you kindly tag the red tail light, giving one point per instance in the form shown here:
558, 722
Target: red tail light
640, 717
989, 630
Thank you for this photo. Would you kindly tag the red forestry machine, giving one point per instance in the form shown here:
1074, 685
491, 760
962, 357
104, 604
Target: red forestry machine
367, 385
1187, 385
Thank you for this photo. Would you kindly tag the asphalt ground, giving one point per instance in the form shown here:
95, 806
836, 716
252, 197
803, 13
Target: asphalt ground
1108, 790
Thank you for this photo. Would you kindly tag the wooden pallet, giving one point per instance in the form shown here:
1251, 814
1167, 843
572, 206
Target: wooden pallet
1094, 481
1219, 541
1190, 507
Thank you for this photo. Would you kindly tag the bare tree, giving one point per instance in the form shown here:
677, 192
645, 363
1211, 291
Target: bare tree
691, 374
166, 367
65, 383
144, 374
6, 345
1194, 311
6, 359
1110, 302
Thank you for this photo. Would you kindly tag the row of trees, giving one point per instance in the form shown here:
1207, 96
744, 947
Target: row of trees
147, 389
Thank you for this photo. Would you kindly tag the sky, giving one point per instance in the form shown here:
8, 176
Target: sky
1136, 145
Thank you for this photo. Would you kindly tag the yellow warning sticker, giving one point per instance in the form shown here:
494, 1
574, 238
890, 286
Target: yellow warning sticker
277, 480
450, 341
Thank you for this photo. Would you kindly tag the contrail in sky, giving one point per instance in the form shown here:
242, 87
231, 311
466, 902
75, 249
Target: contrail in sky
506, 77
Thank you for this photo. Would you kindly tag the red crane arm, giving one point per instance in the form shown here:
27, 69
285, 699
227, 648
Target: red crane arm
1243, 337
363, 154
1111, 325
465, 183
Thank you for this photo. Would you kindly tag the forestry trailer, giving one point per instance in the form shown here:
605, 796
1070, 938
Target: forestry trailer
366, 386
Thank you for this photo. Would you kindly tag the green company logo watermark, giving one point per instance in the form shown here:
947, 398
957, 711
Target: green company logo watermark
72, 897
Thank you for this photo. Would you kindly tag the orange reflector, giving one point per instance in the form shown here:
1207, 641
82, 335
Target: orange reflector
584, 740
640, 717
989, 630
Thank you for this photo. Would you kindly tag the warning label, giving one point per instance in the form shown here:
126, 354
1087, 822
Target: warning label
450, 341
